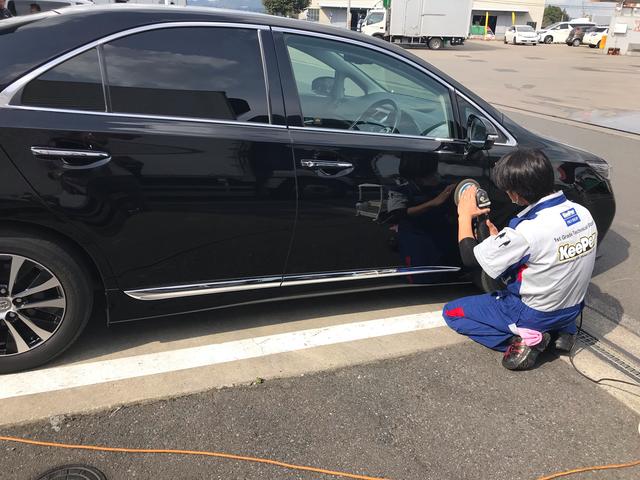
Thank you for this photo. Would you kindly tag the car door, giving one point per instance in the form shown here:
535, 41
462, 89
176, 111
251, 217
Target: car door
165, 146
377, 151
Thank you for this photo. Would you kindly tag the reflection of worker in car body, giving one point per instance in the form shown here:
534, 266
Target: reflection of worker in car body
34, 8
4, 11
418, 208
545, 256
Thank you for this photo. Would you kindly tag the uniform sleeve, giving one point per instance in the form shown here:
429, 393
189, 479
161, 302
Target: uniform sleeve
496, 254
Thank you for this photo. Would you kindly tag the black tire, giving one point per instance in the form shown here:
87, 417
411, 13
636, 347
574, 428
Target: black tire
576, 42
485, 283
514, 41
77, 293
505, 40
548, 39
435, 43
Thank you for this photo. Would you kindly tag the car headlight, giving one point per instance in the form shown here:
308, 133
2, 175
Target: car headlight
602, 168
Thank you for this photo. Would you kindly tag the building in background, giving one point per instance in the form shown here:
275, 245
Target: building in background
504, 13
334, 12
624, 30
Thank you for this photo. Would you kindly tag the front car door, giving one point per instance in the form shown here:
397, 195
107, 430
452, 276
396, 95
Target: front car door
165, 146
377, 152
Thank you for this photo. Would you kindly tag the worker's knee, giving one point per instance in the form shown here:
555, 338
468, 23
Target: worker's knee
453, 312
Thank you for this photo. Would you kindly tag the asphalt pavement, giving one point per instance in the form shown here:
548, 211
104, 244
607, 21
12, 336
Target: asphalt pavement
446, 414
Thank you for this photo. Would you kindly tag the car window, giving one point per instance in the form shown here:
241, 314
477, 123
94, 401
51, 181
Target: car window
75, 84
465, 108
198, 72
525, 28
346, 86
26, 7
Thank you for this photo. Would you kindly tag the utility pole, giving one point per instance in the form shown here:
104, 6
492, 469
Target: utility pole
349, 14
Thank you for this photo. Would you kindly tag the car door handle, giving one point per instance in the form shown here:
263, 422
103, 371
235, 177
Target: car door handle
73, 159
317, 164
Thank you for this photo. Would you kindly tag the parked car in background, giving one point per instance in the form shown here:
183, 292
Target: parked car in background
27, 7
230, 158
521, 34
576, 35
558, 32
594, 37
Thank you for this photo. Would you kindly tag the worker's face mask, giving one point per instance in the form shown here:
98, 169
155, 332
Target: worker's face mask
514, 199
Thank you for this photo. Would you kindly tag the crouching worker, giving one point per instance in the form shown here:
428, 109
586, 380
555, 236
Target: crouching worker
545, 256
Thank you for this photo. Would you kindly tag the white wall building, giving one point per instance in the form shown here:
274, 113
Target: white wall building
334, 12
624, 31
502, 14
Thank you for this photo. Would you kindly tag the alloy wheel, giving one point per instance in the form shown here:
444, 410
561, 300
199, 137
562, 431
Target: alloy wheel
32, 304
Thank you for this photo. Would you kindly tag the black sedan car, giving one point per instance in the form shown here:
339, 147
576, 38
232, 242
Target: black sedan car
165, 160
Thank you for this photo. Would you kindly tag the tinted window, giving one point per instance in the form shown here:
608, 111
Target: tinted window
344, 86
188, 72
75, 84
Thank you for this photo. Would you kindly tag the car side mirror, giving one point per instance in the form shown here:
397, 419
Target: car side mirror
323, 86
481, 133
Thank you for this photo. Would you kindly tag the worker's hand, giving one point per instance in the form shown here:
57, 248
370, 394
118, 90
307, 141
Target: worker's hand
443, 196
493, 230
467, 206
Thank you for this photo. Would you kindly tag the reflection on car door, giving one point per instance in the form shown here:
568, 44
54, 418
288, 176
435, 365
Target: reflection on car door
374, 143
174, 167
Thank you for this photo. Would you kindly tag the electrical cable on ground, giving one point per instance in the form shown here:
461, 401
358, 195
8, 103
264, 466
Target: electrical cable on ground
191, 452
591, 469
273, 462
572, 355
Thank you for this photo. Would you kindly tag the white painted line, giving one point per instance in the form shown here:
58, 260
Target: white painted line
80, 375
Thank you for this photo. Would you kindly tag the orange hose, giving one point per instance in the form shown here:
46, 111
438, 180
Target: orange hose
191, 452
591, 469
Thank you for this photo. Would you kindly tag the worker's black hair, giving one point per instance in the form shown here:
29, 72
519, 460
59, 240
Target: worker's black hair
527, 172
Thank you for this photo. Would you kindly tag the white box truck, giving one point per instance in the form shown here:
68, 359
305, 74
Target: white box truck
416, 23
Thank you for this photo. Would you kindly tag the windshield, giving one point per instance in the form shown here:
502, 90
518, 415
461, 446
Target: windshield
375, 17
525, 28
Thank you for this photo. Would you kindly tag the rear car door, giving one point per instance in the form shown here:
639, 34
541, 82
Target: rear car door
165, 146
376, 154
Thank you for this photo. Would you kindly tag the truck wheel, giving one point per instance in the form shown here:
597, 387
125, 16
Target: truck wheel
435, 43
45, 300
548, 39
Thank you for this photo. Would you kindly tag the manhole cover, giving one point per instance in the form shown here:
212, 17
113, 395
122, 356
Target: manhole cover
73, 472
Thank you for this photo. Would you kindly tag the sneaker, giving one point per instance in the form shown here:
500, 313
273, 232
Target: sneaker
522, 357
565, 342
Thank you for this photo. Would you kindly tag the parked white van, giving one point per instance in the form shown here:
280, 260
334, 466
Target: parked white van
558, 32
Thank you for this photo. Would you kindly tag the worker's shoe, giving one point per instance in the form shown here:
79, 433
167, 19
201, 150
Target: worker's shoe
522, 357
565, 342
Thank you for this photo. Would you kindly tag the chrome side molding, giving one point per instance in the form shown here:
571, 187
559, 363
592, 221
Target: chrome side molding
179, 291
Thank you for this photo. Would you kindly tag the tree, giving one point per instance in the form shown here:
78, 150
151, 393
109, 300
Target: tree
286, 8
553, 14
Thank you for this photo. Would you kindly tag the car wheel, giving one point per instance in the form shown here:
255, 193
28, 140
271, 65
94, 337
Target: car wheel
535, 44
45, 301
514, 41
435, 43
576, 42
485, 283
505, 40
548, 39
